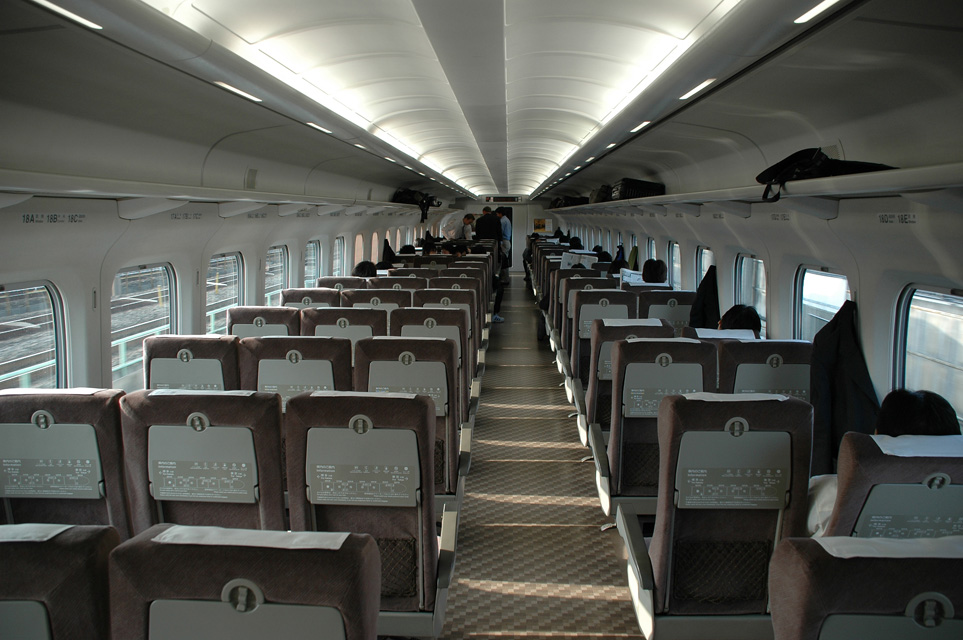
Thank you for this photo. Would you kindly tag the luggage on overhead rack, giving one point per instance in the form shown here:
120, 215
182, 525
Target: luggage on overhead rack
628, 188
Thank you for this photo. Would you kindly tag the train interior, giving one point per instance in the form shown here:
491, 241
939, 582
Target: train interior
188, 186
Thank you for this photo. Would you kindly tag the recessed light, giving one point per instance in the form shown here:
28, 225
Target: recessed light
360, 146
640, 126
319, 128
244, 94
609, 146
697, 89
68, 14
815, 11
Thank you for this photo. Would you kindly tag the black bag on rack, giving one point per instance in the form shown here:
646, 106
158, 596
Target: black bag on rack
809, 163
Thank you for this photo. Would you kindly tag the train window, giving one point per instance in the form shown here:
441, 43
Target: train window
398, 242
932, 352
312, 262
275, 274
704, 260
358, 248
608, 241
650, 249
337, 258
751, 285
375, 248
819, 295
141, 306
675, 266
31, 337
224, 289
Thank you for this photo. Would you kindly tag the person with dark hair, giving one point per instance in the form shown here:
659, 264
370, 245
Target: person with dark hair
575, 242
603, 256
654, 271
741, 316
598, 249
384, 265
429, 247
365, 269
407, 249
919, 413
902, 413
616, 267
489, 227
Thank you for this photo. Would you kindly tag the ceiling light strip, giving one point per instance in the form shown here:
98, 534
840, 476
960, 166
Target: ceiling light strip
68, 14
815, 11
697, 89
243, 94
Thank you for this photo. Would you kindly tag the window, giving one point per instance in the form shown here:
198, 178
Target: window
820, 294
751, 286
375, 248
140, 307
675, 266
398, 241
704, 260
358, 249
650, 249
275, 274
337, 258
933, 352
608, 241
312, 263
31, 337
223, 290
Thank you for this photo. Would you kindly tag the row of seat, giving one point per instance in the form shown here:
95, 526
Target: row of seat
704, 498
356, 462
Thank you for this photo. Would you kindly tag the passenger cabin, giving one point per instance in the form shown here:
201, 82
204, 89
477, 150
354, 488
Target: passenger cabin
186, 189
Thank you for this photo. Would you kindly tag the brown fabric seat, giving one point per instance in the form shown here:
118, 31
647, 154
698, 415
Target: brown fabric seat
643, 372
98, 408
907, 486
554, 289
464, 298
289, 355
310, 298
65, 571
443, 323
485, 275
566, 305
384, 353
733, 474
838, 588
598, 393
183, 491
406, 272
341, 282
189, 578
589, 305
335, 322
672, 305
206, 363
246, 321
331, 434
408, 283
471, 284
765, 366
386, 299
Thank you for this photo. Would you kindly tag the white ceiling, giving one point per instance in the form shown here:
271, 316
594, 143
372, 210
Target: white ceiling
493, 94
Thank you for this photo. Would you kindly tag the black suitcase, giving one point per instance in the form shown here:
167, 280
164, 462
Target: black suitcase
628, 188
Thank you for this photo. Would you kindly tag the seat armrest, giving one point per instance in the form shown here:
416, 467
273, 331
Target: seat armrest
578, 396
641, 578
446, 548
464, 450
596, 441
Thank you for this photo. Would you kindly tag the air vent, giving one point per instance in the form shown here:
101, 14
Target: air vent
250, 179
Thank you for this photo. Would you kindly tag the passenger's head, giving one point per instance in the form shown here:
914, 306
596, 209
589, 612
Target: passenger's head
616, 267
365, 269
575, 242
407, 249
384, 265
468, 219
500, 212
603, 256
654, 271
597, 248
917, 413
428, 247
486, 211
741, 316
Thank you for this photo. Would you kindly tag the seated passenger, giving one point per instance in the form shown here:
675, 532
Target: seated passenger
598, 249
384, 265
407, 249
902, 413
365, 269
575, 243
741, 316
616, 267
603, 256
654, 271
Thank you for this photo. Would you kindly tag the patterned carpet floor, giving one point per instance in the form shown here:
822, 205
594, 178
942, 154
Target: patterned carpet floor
532, 561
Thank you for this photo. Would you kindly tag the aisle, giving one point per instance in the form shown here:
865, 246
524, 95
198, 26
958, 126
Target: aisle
532, 562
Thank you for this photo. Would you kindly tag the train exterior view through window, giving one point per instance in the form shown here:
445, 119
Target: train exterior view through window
497, 319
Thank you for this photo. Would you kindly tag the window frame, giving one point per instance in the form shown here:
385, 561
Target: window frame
241, 277
700, 266
285, 272
59, 320
901, 339
674, 259
317, 263
338, 256
739, 292
172, 327
797, 314
650, 248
